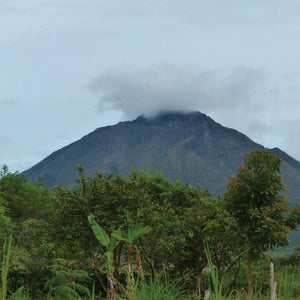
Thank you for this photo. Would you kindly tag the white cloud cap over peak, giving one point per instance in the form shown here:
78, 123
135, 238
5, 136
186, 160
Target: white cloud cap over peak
148, 91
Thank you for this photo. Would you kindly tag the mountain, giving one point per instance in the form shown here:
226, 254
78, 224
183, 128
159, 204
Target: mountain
190, 147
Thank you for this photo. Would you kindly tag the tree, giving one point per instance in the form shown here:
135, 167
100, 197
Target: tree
110, 198
181, 217
200, 220
255, 197
24, 211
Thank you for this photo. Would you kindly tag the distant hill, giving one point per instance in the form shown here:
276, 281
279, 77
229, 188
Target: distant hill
190, 147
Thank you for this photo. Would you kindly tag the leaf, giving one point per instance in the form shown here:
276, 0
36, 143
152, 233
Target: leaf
99, 232
117, 234
134, 232
190, 234
109, 257
113, 244
82, 289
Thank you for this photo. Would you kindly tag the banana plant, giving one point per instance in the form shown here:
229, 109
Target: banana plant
129, 235
110, 244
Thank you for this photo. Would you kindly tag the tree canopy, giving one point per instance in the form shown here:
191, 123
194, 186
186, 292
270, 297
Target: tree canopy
119, 228
255, 198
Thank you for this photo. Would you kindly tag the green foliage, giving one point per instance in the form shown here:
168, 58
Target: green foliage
216, 289
110, 243
289, 284
5, 265
25, 207
181, 219
132, 233
99, 232
5, 221
65, 281
159, 288
255, 199
24, 210
116, 231
20, 294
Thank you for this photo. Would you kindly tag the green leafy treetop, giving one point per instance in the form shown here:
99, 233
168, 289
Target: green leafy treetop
255, 197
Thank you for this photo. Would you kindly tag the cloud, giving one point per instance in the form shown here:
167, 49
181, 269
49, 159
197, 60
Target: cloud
5, 141
6, 103
175, 88
240, 97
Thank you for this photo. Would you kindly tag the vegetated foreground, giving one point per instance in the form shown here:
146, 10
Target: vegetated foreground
146, 237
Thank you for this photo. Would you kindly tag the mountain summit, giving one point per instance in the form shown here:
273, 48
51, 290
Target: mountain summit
190, 147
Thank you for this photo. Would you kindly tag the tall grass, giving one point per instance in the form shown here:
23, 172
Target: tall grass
286, 288
5, 264
288, 283
159, 288
216, 284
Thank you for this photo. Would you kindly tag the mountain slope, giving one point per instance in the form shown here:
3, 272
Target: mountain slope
190, 147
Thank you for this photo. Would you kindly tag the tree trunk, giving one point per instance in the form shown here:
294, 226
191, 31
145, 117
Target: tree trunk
198, 280
269, 255
199, 286
250, 279
206, 297
117, 267
273, 283
111, 293
139, 261
130, 278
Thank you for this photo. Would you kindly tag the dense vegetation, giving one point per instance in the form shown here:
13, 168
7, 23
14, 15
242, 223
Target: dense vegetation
145, 237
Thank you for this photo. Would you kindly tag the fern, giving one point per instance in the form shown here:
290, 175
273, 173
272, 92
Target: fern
64, 284
19, 295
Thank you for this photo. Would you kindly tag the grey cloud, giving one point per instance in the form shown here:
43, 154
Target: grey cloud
6, 102
257, 127
150, 90
284, 132
5, 141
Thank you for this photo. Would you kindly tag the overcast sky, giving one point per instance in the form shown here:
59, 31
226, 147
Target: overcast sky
68, 67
